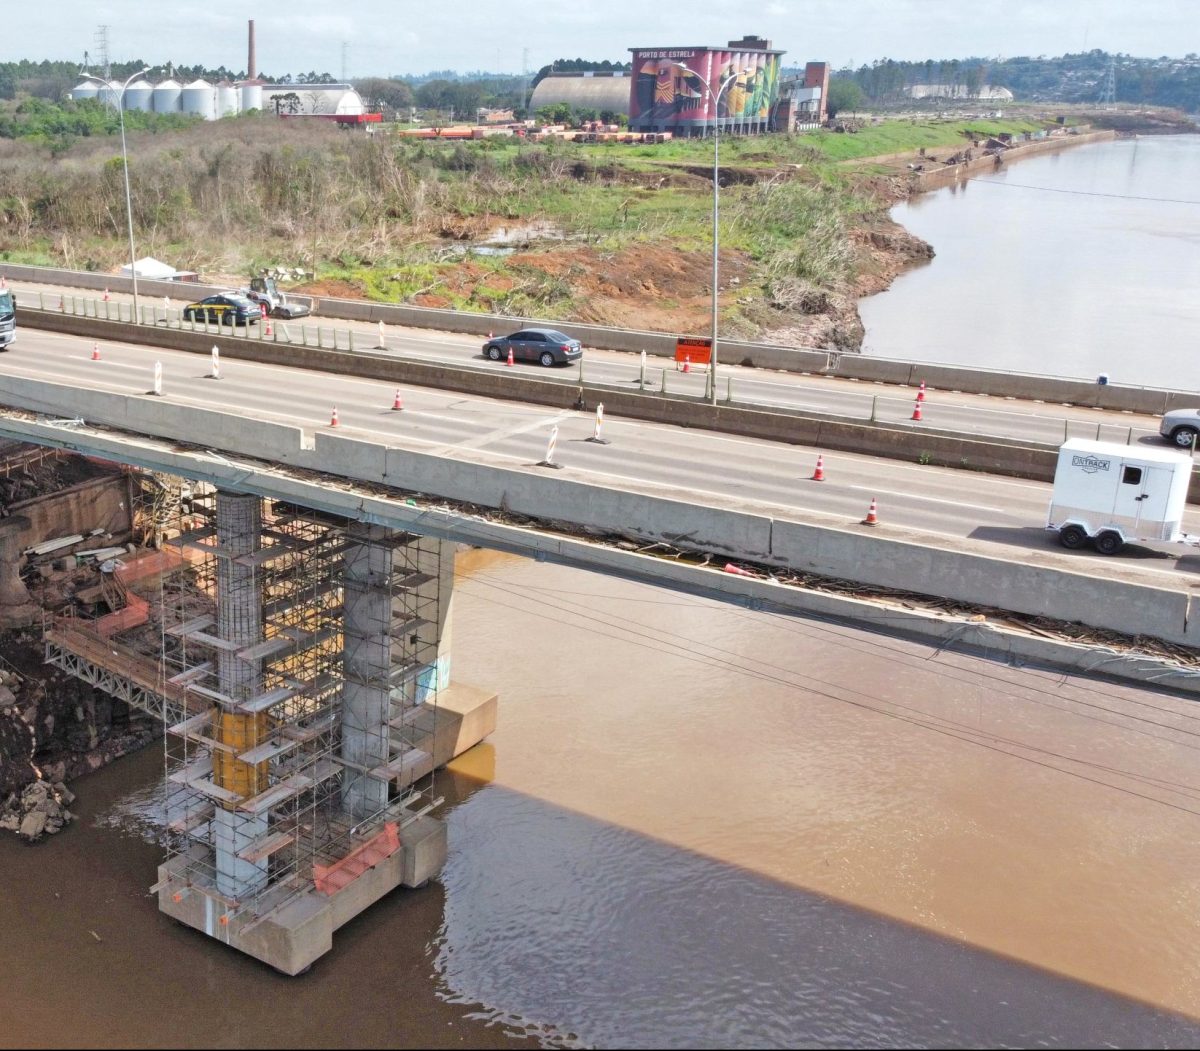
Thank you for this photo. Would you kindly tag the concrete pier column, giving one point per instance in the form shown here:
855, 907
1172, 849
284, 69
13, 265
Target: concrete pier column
239, 622
12, 589
366, 662
436, 558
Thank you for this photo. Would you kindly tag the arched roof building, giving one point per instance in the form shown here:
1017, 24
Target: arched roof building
600, 91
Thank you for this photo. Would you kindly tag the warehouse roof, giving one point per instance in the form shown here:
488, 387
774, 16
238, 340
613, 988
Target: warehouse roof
599, 91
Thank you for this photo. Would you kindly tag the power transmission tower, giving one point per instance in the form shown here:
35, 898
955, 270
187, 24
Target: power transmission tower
525, 80
102, 51
1108, 96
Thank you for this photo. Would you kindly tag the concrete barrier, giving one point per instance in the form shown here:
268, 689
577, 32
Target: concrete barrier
1079, 391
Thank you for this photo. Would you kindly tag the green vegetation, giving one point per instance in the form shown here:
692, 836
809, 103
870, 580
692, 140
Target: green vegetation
396, 218
56, 124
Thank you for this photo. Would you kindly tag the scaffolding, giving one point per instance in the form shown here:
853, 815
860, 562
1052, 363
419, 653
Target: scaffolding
276, 784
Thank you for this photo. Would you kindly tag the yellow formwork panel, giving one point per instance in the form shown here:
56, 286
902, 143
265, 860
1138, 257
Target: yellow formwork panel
241, 733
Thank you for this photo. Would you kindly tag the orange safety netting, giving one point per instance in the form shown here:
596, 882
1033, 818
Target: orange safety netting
329, 879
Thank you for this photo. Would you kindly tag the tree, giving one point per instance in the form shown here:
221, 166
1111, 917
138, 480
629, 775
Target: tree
379, 93
844, 94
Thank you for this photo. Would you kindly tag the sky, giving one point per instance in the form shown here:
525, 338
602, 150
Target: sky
382, 37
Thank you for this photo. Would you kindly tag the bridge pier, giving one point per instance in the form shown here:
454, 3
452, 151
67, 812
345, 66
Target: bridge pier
305, 686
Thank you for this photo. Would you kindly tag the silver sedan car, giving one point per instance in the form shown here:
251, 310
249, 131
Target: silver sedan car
1181, 426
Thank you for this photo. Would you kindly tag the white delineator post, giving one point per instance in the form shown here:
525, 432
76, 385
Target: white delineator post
382, 337
216, 363
597, 437
158, 378
549, 460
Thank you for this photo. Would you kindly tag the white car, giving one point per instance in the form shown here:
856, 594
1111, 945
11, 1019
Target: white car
1181, 426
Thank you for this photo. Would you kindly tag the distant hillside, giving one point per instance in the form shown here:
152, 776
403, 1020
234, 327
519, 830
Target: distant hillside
1173, 82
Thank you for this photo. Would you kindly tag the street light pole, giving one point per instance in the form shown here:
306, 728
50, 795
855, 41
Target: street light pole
128, 200
711, 391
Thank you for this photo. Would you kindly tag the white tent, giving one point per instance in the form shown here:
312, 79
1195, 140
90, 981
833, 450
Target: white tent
152, 270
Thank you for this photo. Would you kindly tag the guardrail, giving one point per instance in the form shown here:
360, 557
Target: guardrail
847, 365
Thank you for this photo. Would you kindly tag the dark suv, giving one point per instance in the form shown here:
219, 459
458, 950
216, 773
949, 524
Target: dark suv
545, 345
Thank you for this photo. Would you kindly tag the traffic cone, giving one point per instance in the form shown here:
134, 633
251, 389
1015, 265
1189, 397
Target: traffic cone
106, 297
333, 419
491, 334
398, 403
95, 351
3, 282
921, 391
687, 363
819, 473
510, 357
872, 518
267, 331
916, 410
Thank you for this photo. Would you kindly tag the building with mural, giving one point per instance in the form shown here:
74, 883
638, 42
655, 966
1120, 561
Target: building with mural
674, 88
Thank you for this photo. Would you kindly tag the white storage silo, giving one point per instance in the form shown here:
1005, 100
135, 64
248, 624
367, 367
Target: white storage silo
167, 95
200, 98
86, 89
110, 93
139, 95
252, 95
228, 99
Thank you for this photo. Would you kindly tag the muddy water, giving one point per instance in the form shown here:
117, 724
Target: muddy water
697, 825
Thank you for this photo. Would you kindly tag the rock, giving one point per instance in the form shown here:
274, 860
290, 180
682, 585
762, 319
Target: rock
64, 794
10, 822
33, 825
7, 697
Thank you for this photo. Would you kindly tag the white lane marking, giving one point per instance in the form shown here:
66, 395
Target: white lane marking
507, 432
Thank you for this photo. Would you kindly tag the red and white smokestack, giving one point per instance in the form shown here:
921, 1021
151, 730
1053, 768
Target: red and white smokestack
251, 61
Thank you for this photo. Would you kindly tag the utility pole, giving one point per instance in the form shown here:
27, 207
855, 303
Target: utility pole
345, 62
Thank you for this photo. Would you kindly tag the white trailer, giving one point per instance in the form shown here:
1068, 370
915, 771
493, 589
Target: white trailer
1113, 494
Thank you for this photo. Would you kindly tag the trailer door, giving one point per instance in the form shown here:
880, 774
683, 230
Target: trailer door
1142, 494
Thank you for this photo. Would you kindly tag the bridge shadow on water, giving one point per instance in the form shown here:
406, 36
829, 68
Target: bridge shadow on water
607, 937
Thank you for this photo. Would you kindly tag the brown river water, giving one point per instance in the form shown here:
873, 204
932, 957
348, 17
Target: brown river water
697, 825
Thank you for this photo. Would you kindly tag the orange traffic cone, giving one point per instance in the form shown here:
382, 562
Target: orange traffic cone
398, 403
333, 419
872, 518
268, 331
510, 357
491, 334
921, 391
106, 295
819, 473
95, 351
916, 410
687, 363
3, 282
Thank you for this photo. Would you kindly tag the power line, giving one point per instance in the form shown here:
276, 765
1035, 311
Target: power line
1082, 193
917, 717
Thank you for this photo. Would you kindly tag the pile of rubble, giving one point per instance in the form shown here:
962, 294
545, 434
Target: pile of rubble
40, 809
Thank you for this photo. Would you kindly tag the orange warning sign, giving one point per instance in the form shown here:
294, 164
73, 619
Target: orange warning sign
696, 351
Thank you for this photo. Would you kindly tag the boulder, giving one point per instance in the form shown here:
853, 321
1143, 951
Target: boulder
33, 825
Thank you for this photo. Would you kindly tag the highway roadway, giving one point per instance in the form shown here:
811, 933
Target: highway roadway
921, 501
960, 412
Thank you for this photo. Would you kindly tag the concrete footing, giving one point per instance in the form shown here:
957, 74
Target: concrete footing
288, 929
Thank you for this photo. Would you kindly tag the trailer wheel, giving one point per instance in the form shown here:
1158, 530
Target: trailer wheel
1109, 542
1072, 537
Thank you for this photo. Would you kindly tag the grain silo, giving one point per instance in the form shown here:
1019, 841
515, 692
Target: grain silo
200, 99
88, 88
228, 99
252, 95
110, 92
139, 95
167, 95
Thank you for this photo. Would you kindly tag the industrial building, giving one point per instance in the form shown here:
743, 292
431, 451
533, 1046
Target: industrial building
673, 89
210, 101
601, 90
